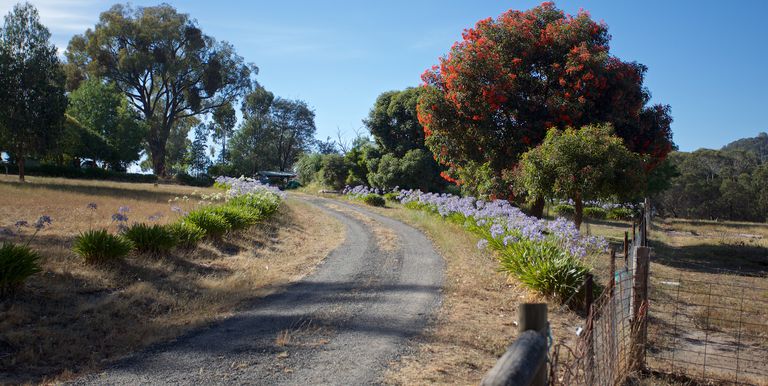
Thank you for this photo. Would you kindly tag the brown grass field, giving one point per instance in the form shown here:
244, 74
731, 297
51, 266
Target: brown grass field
74, 317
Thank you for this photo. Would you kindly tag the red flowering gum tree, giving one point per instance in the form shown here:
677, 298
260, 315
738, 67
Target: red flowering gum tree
498, 91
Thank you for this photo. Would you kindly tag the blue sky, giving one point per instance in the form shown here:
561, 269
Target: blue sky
707, 59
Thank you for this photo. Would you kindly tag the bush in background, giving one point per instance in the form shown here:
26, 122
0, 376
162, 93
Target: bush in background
46, 170
564, 210
622, 214
595, 213
203, 180
392, 196
17, 263
373, 200
151, 239
334, 171
99, 246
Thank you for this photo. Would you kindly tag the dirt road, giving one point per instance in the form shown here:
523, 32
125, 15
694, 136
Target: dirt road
340, 325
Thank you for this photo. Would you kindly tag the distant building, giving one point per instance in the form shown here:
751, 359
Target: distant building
275, 178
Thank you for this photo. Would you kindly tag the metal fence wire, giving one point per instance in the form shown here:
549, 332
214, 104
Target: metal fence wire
703, 329
709, 330
603, 353
607, 349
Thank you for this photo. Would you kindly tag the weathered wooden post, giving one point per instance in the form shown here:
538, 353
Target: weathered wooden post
525, 362
639, 306
533, 316
646, 220
612, 272
588, 328
626, 244
588, 288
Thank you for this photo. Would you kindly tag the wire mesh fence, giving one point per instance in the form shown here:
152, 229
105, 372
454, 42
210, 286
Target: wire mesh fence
701, 328
606, 351
611, 346
709, 330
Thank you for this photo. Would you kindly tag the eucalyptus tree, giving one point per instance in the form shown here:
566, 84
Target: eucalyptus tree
163, 62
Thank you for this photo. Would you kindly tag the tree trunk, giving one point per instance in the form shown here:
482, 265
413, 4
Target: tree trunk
20, 162
578, 211
224, 148
537, 209
158, 158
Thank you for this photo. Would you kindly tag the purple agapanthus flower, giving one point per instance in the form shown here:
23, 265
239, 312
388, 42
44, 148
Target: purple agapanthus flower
42, 222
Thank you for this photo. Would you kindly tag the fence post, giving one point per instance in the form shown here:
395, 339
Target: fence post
626, 244
589, 295
533, 316
647, 220
639, 300
588, 286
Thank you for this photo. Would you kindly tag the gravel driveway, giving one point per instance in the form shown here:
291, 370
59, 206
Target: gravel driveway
341, 325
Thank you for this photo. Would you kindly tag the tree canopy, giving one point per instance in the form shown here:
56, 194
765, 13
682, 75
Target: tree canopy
274, 133
586, 164
393, 122
510, 79
104, 109
163, 62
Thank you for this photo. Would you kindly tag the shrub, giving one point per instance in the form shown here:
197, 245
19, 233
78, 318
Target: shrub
622, 214
98, 246
545, 267
202, 180
308, 166
264, 203
392, 196
186, 234
17, 263
153, 239
564, 210
595, 213
238, 217
221, 185
334, 171
373, 200
213, 224
46, 170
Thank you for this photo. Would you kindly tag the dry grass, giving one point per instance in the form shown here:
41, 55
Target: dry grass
386, 239
74, 318
709, 291
479, 314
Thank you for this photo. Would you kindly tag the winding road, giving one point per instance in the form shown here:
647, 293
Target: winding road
341, 325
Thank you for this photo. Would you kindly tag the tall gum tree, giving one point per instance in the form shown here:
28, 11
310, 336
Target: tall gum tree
32, 100
161, 60
510, 79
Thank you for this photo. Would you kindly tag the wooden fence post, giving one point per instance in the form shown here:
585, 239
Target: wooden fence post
589, 297
588, 286
533, 316
612, 272
626, 244
639, 306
